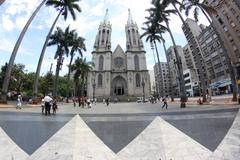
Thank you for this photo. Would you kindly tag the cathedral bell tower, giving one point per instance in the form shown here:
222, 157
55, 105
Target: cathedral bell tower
103, 38
99, 79
134, 42
136, 60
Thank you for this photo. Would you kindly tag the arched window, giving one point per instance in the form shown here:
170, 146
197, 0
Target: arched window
100, 63
103, 35
134, 37
137, 80
136, 62
100, 80
129, 36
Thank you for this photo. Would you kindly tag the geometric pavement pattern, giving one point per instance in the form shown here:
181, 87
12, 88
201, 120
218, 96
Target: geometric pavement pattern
30, 136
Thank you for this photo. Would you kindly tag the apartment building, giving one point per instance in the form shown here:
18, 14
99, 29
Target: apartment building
162, 79
171, 59
226, 21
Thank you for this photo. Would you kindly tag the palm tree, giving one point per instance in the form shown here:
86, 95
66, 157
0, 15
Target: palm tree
1, 2
62, 40
3, 96
199, 65
77, 46
197, 5
158, 14
152, 34
81, 69
63, 7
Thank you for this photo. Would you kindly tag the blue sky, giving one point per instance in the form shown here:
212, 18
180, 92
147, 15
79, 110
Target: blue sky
15, 13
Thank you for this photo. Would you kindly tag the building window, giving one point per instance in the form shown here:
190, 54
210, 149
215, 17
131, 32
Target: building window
136, 62
99, 80
233, 11
137, 80
225, 28
233, 24
101, 61
134, 37
220, 21
103, 35
238, 18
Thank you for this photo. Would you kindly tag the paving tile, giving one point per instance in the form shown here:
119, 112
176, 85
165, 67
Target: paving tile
146, 146
59, 146
9, 150
89, 146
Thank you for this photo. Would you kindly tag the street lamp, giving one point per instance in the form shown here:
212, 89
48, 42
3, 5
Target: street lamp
143, 84
94, 86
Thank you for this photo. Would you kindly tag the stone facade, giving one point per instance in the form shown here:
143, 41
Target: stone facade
118, 74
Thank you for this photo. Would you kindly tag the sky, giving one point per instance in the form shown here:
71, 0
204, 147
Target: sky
15, 13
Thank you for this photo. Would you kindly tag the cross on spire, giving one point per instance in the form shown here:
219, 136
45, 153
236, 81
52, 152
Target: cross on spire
106, 17
130, 20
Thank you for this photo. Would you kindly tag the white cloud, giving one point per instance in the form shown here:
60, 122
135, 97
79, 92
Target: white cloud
97, 10
21, 22
7, 23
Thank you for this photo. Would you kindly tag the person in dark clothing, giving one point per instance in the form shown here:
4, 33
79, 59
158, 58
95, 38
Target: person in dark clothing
47, 108
165, 103
107, 101
54, 106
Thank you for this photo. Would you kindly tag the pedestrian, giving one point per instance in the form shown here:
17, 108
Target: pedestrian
89, 102
54, 106
107, 101
47, 103
74, 102
43, 105
164, 102
104, 101
95, 100
19, 102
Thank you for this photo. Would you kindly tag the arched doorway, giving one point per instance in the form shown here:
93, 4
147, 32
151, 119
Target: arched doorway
119, 86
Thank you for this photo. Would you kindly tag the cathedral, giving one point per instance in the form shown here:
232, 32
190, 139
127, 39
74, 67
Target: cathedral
118, 74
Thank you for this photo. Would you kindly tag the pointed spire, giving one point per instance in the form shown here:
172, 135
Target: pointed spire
105, 20
130, 20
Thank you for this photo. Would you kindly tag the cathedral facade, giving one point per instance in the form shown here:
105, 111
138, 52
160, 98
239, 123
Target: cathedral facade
121, 74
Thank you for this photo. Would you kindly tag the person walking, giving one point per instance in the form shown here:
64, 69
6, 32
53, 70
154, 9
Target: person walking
19, 102
89, 103
107, 101
165, 103
43, 105
54, 106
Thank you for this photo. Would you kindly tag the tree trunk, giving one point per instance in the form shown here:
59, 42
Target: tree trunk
180, 71
36, 80
230, 67
159, 65
165, 50
59, 63
14, 53
68, 78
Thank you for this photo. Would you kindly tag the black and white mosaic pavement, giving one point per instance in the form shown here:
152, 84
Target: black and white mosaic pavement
31, 130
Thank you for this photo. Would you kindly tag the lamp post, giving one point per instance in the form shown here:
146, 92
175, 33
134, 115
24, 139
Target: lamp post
94, 87
143, 85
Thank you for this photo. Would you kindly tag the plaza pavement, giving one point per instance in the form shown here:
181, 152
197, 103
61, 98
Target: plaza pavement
122, 131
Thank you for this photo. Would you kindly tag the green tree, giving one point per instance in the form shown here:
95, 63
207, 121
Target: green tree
78, 46
63, 41
80, 68
159, 14
152, 34
5, 84
63, 7
46, 84
197, 5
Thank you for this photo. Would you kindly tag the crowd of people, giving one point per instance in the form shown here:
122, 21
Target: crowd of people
47, 103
